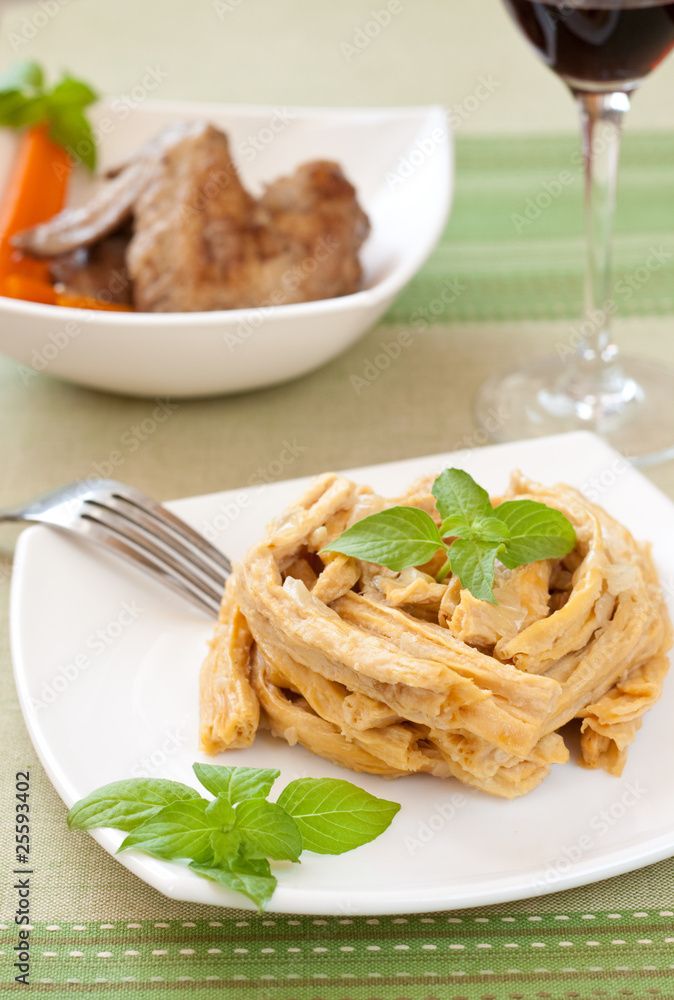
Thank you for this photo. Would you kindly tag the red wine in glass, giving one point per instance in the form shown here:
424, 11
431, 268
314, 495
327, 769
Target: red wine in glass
598, 44
602, 50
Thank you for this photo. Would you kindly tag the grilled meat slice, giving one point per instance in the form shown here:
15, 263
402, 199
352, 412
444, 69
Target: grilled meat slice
110, 207
202, 242
97, 272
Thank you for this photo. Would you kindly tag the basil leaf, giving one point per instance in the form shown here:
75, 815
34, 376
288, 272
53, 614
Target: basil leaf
17, 111
236, 783
221, 813
335, 816
490, 529
225, 846
536, 532
456, 525
21, 76
181, 830
456, 492
397, 538
251, 878
69, 128
473, 562
268, 831
24, 101
125, 805
72, 93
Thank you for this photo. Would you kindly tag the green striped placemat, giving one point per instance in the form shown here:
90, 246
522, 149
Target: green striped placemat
462, 956
513, 248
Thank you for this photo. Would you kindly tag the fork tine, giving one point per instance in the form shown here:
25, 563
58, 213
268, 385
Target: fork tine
138, 517
150, 507
109, 538
145, 544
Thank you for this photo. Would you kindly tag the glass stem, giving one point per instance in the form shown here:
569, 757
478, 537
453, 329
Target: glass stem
595, 370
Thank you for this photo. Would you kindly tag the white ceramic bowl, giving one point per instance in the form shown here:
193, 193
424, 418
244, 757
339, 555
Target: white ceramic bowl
399, 160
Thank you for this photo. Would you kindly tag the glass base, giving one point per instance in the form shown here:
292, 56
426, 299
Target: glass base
632, 406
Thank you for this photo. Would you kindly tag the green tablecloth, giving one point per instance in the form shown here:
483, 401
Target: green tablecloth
516, 287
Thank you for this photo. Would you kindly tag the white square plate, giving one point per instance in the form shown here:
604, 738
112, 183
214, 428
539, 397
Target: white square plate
107, 666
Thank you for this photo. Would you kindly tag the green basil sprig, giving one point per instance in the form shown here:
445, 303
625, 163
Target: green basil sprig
516, 532
231, 838
25, 101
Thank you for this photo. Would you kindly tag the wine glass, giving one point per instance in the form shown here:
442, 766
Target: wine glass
602, 49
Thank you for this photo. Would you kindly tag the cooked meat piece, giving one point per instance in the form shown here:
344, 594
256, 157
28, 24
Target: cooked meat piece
202, 242
192, 229
317, 212
110, 207
80, 227
97, 272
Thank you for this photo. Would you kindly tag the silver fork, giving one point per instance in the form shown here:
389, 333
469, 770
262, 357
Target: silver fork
138, 528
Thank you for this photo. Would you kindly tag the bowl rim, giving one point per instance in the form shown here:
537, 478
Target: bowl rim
365, 298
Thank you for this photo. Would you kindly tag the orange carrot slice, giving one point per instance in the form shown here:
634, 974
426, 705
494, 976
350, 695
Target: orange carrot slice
23, 286
84, 302
28, 288
36, 191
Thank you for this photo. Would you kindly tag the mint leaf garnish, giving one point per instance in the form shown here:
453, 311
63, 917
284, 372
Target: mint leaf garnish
221, 813
473, 563
335, 816
236, 783
225, 847
230, 838
267, 831
398, 537
517, 532
456, 492
536, 532
181, 830
26, 101
251, 878
127, 804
